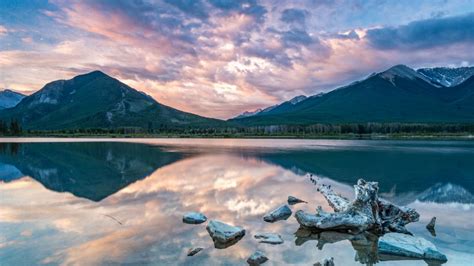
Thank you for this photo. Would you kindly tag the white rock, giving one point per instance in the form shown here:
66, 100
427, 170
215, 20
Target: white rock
281, 213
194, 218
269, 238
257, 258
409, 246
224, 235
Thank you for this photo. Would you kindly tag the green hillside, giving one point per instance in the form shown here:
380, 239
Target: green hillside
396, 95
95, 100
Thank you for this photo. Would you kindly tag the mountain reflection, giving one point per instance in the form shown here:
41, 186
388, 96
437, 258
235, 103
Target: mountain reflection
95, 170
396, 169
88, 170
138, 220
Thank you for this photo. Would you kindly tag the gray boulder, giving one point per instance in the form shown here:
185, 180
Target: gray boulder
403, 245
269, 238
194, 218
294, 200
194, 251
224, 235
281, 213
257, 258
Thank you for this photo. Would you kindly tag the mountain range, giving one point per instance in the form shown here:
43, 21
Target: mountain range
9, 98
399, 94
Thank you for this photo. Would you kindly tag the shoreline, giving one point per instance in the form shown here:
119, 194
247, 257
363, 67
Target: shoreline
440, 137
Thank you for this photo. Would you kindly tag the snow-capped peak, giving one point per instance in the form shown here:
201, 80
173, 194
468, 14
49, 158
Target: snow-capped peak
403, 71
297, 99
445, 76
249, 113
292, 101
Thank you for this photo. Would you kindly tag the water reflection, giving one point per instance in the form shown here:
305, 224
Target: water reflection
138, 220
88, 170
416, 169
365, 244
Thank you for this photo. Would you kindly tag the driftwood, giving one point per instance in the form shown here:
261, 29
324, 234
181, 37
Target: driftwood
367, 212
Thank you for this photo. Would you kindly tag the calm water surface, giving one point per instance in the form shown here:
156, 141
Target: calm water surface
115, 202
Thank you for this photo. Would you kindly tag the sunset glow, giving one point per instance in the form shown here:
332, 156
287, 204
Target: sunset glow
218, 58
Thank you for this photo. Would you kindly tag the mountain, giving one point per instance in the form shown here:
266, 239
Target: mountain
250, 113
447, 77
399, 94
274, 108
9, 98
96, 100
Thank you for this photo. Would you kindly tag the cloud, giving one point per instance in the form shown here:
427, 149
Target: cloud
195, 8
296, 37
351, 35
248, 7
219, 58
424, 34
3, 31
294, 16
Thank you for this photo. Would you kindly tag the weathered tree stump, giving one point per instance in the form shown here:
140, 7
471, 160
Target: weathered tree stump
367, 212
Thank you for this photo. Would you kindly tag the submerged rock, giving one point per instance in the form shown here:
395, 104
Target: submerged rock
326, 262
294, 200
269, 238
257, 258
194, 218
194, 251
431, 226
404, 245
281, 213
224, 235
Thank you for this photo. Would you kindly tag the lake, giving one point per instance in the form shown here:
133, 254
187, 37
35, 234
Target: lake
121, 201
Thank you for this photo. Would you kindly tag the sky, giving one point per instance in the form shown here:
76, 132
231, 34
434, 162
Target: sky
219, 58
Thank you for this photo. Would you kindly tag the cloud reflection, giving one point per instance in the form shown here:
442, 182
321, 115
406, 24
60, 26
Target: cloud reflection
229, 187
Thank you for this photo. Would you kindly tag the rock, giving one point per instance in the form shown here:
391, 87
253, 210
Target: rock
224, 235
194, 218
294, 200
431, 226
365, 212
281, 213
194, 251
326, 262
257, 258
404, 245
269, 238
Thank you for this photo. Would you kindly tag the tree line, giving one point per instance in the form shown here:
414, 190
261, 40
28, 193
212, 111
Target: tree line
13, 128
274, 130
